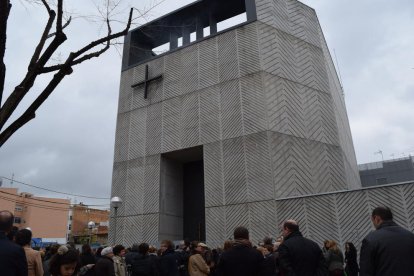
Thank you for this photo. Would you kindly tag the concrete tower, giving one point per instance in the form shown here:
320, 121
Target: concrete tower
212, 132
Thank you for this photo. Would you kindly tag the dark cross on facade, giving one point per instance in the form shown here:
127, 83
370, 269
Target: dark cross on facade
146, 81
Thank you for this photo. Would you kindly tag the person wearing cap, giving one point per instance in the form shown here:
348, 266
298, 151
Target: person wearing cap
105, 265
196, 264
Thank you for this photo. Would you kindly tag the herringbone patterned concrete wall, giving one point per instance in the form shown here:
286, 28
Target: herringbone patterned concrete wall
301, 55
264, 101
343, 216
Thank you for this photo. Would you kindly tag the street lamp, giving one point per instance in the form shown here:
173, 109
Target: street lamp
115, 202
91, 225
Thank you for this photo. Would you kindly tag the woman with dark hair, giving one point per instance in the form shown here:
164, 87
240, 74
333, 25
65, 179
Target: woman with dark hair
119, 262
351, 267
65, 263
269, 265
98, 253
34, 260
228, 244
334, 259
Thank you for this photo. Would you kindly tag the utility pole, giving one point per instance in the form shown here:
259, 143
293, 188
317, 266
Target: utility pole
380, 152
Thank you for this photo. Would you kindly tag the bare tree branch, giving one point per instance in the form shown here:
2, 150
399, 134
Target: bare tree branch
107, 38
30, 113
21, 90
59, 27
5, 7
92, 45
39, 48
63, 27
47, 6
41, 57
63, 70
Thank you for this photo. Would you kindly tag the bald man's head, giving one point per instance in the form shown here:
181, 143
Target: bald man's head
6, 221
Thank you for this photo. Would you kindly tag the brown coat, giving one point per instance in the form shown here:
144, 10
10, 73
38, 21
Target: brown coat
34, 262
197, 266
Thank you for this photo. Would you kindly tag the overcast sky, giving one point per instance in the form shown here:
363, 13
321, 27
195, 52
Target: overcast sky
69, 145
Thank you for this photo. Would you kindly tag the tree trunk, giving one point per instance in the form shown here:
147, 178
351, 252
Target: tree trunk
5, 7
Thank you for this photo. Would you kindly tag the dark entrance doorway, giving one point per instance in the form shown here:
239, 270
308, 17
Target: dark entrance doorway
194, 212
182, 213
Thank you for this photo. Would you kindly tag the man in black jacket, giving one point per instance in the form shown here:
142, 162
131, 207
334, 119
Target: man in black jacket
241, 259
299, 256
169, 261
389, 250
132, 254
12, 257
143, 264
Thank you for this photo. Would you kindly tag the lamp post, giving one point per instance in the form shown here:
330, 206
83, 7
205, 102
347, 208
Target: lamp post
115, 202
91, 225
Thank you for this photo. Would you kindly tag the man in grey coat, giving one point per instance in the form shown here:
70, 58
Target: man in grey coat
388, 250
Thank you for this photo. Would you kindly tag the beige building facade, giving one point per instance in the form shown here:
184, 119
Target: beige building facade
46, 217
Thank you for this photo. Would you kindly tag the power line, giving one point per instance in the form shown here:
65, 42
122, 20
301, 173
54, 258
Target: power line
36, 205
31, 198
53, 191
54, 202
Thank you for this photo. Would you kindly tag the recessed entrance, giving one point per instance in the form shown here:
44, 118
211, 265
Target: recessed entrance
182, 213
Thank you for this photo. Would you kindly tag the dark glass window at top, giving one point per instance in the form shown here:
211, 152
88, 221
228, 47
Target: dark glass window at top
184, 26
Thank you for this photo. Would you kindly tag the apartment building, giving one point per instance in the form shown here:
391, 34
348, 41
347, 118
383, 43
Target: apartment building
46, 217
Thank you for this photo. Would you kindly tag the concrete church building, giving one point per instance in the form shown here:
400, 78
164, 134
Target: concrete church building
239, 126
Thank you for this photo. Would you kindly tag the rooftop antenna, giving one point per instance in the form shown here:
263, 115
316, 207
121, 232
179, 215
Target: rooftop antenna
380, 152
11, 180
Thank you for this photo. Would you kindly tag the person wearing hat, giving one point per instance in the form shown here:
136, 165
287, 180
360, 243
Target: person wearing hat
196, 264
105, 265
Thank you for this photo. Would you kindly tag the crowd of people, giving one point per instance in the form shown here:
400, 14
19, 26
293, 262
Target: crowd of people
389, 250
